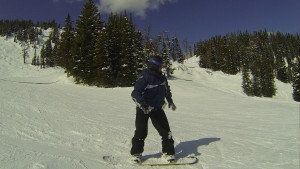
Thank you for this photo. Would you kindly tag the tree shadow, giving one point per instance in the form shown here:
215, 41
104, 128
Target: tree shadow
187, 148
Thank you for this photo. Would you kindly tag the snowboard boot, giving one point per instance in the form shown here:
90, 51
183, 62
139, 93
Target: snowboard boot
136, 158
169, 158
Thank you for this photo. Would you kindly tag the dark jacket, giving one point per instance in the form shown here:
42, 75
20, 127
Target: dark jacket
151, 88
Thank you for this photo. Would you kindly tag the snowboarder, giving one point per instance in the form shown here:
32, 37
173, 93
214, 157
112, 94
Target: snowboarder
149, 94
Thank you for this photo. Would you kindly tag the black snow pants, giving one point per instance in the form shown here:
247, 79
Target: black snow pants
160, 122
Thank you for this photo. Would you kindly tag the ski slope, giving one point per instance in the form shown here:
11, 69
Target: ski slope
47, 122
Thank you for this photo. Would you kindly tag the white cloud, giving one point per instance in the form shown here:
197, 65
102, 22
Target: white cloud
137, 7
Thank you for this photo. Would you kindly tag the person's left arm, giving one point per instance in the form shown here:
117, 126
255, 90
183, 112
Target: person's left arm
169, 97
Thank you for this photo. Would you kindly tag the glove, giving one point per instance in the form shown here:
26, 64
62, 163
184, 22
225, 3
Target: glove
172, 106
145, 107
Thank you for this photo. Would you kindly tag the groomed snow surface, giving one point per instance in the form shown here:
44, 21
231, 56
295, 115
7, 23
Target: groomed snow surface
47, 122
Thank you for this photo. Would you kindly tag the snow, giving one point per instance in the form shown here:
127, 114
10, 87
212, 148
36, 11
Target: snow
46, 121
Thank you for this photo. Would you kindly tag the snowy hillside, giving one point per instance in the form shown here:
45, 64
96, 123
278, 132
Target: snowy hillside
46, 121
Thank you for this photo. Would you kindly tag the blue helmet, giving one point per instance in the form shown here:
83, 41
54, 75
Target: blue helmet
155, 62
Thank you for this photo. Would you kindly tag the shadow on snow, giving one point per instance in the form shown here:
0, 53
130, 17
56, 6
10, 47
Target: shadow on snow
187, 148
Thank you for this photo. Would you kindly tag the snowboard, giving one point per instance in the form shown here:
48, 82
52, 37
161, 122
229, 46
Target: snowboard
182, 161
153, 161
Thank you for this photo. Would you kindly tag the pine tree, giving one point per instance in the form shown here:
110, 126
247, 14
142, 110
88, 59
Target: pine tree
42, 58
136, 54
157, 45
296, 81
279, 52
166, 54
87, 28
148, 44
102, 61
256, 84
173, 53
54, 35
34, 59
245, 53
176, 52
114, 46
127, 73
268, 83
139, 54
38, 62
25, 52
64, 51
161, 47
32, 35
267, 66
247, 83
48, 54
256, 67
54, 55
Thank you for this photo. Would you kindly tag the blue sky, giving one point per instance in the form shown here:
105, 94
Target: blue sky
191, 20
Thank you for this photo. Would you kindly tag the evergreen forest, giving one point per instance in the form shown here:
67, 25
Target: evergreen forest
112, 53
261, 57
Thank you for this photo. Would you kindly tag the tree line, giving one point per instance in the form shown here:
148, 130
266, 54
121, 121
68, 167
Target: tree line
112, 53
94, 52
24, 30
106, 54
260, 57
